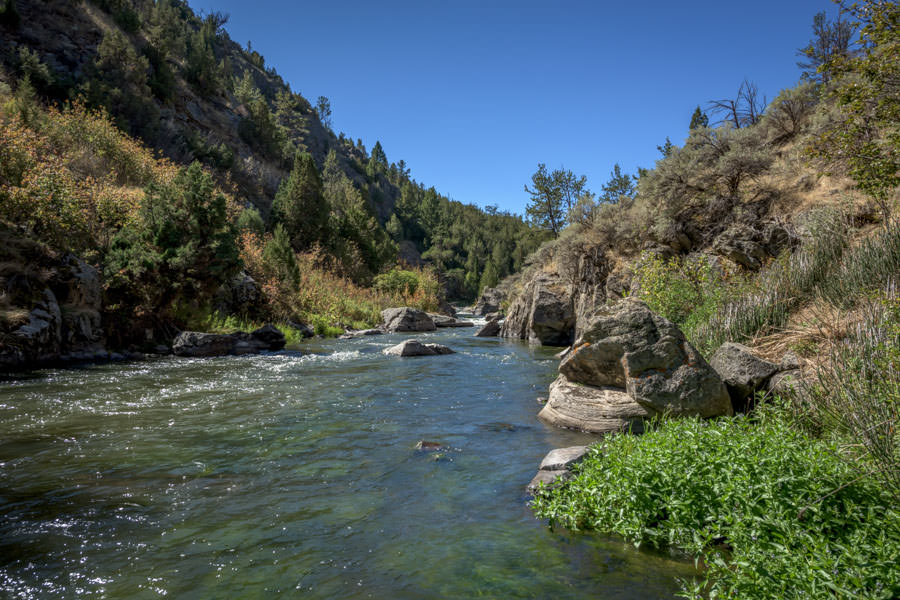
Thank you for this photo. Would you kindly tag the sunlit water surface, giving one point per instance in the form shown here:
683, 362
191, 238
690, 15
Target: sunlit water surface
289, 475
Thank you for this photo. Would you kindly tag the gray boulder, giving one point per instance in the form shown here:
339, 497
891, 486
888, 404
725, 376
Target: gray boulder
488, 302
269, 336
199, 344
490, 329
543, 313
417, 348
563, 458
785, 382
627, 346
406, 319
742, 371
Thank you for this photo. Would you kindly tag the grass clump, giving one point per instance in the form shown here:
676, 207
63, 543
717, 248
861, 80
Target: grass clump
772, 512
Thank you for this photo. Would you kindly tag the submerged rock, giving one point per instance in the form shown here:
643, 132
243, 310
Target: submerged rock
417, 348
360, 333
444, 321
406, 318
427, 446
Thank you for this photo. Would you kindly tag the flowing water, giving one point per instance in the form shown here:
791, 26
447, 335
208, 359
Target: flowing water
289, 475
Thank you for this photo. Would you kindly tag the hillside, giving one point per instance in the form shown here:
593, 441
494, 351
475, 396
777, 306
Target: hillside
123, 103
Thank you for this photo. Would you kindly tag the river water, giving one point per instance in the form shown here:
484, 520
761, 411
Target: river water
296, 475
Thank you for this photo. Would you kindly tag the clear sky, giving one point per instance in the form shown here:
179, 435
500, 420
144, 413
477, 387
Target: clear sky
474, 94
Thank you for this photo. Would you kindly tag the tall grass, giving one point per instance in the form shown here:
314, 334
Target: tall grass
855, 394
766, 304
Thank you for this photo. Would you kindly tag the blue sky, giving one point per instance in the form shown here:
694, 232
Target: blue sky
473, 95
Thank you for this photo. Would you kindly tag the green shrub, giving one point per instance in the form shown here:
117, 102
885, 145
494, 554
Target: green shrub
773, 513
180, 249
684, 290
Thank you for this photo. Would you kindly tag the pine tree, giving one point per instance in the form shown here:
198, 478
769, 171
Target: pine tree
300, 204
698, 119
279, 257
545, 210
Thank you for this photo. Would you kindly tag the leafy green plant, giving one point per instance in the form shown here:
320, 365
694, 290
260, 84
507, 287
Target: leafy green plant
772, 512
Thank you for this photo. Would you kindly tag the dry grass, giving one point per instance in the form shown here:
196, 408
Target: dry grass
809, 332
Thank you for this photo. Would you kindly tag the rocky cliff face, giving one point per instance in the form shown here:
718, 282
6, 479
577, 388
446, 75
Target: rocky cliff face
555, 302
63, 300
553, 307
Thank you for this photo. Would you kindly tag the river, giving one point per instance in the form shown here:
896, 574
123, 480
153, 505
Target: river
296, 475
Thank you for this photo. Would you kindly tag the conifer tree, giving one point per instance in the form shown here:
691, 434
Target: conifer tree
698, 119
300, 204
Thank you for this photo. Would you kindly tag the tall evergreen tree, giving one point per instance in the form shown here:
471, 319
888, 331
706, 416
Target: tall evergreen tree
545, 209
698, 119
619, 185
300, 204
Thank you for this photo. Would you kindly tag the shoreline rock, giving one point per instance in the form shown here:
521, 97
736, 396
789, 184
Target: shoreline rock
628, 365
554, 469
197, 344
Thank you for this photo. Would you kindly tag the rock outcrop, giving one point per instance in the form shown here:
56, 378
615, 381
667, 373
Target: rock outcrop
406, 318
489, 302
743, 373
630, 364
199, 344
240, 296
543, 313
63, 314
750, 247
417, 348
490, 329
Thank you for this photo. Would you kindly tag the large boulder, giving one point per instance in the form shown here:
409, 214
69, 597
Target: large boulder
489, 302
628, 346
490, 329
543, 313
742, 371
593, 409
630, 364
199, 344
417, 348
405, 318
